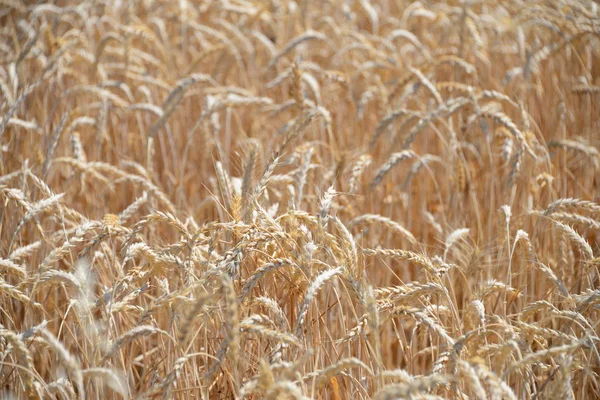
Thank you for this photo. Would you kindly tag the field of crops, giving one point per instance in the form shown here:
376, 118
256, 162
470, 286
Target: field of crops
338, 199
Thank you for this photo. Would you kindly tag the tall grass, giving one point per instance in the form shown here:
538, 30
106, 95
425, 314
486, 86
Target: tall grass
278, 199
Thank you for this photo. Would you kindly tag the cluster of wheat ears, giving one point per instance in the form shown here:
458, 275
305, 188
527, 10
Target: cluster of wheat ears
313, 199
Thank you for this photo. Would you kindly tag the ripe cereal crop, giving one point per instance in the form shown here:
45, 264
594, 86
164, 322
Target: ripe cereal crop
266, 199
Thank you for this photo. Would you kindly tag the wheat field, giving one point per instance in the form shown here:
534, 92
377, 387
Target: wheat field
290, 200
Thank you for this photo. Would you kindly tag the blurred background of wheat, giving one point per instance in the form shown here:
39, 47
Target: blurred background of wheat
271, 199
